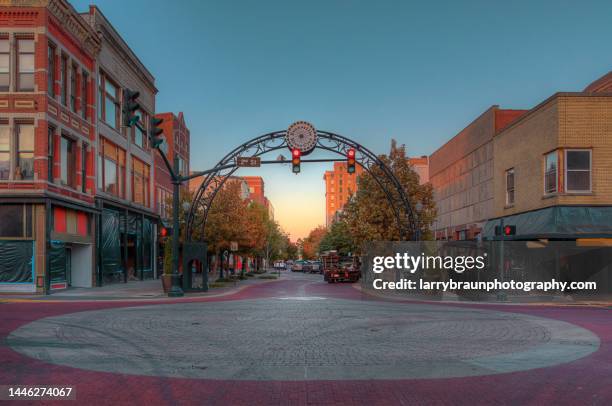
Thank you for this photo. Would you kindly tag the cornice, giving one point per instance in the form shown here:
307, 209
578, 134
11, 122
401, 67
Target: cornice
67, 17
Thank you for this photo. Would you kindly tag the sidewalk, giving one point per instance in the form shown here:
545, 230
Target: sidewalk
133, 290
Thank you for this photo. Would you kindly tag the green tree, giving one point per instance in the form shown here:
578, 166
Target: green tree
368, 215
338, 238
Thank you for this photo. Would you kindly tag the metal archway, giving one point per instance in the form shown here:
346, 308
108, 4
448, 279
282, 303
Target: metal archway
390, 185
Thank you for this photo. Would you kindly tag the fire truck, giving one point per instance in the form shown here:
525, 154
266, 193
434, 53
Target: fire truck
337, 268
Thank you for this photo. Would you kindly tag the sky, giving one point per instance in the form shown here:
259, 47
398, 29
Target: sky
418, 72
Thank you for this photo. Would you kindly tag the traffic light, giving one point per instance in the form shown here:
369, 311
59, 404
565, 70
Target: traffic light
165, 232
155, 133
507, 230
130, 105
350, 160
295, 159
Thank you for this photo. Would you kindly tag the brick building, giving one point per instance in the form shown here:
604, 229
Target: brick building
421, 166
47, 146
553, 166
461, 173
339, 186
177, 141
125, 162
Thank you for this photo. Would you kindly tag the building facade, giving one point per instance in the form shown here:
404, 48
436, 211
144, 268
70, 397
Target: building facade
339, 186
461, 173
553, 166
177, 141
126, 231
47, 147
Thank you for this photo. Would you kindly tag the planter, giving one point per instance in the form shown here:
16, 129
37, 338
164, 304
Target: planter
166, 282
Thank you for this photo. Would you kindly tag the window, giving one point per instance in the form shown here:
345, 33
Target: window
550, 173
64, 80
578, 170
140, 182
84, 168
51, 71
139, 136
111, 169
25, 151
109, 102
25, 65
5, 151
84, 80
67, 158
73, 88
5, 63
50, 153
510, 187
16, 221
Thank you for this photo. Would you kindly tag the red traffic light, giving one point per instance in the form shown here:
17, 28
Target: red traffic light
351, 153
509, 230
163, 232
296, 153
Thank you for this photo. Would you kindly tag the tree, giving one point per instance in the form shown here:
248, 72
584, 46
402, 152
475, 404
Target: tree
310, 247
338, 238
226, 216
368, 215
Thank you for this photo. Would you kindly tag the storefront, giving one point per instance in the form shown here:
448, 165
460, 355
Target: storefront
126, 246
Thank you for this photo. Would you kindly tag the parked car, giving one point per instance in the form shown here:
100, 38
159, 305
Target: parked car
307, 266
279, 265
316, 267
297, 266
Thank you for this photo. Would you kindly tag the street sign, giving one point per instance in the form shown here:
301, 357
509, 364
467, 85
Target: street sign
248, 161
233, 246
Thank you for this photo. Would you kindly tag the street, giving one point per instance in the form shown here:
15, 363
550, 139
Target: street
299, 340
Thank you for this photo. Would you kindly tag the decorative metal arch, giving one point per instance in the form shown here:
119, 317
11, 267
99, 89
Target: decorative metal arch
389, 184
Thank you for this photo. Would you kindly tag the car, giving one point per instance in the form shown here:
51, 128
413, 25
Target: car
297, 266
316, 267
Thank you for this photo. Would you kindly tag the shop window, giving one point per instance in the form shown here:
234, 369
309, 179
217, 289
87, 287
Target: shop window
16, 221
578, 170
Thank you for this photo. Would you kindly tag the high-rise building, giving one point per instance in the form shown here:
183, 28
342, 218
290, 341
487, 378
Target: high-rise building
339, 186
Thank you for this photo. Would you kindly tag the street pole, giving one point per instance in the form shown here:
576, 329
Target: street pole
175, 290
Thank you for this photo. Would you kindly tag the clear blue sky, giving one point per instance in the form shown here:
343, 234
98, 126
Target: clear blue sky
371, 70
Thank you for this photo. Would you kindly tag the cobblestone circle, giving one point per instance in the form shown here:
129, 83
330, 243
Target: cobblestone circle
274, 339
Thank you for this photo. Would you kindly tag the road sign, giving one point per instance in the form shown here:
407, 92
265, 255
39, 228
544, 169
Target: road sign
248, 161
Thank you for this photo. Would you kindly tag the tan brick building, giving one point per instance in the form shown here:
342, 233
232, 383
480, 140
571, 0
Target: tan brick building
553, 167
339, 186
461, 173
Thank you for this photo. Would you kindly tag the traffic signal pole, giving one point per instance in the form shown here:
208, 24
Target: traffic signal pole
175, 289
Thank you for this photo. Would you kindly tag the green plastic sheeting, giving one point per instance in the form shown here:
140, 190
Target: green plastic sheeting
57, 261
16, 261
110, 242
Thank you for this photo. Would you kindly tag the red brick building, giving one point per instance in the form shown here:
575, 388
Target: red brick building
177, 141
47, 147
256, 189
